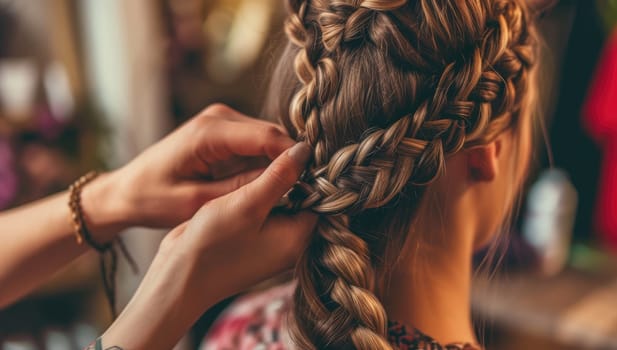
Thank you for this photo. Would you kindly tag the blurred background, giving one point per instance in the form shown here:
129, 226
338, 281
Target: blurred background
88, 84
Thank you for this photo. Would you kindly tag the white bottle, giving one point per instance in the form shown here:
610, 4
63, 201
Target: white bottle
549, 219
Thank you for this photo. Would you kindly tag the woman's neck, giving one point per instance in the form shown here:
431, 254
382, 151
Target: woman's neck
430, 286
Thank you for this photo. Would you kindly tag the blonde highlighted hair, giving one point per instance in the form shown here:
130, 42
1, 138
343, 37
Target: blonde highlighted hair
384, 91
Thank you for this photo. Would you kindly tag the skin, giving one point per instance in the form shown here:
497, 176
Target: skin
235, 240
209, 157
226, 240
431, 284
232, 240
219, 245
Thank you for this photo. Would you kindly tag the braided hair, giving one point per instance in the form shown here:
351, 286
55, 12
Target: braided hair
384, 91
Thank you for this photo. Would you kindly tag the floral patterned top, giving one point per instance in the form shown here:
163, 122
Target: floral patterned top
258, 322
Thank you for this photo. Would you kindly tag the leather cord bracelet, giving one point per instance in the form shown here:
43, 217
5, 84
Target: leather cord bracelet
107, 251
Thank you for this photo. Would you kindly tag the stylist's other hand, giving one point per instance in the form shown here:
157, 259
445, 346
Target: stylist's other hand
212, 154
231, 243
236, 241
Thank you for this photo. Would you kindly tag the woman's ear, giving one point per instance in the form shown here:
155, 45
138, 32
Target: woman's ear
482, 162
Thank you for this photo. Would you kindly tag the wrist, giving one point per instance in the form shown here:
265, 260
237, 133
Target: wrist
103, 208
162, 309
190, 270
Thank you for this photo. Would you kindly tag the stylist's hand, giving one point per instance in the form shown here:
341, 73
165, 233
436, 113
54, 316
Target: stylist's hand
231, 243
212, 154
237, 239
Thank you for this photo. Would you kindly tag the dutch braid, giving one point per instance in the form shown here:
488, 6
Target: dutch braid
462, 70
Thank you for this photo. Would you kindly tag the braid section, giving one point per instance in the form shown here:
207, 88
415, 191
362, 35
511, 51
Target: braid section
385, 91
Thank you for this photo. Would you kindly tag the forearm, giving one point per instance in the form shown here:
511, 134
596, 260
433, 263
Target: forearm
38, 238
168, 301
230, 244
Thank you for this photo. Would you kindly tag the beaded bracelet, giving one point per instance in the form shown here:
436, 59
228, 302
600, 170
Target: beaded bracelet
79, 225
83, 234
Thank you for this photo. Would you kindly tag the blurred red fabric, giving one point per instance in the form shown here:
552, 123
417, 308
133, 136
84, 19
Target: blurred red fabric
600, 120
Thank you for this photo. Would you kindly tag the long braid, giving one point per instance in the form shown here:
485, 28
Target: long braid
467, 84
343, 254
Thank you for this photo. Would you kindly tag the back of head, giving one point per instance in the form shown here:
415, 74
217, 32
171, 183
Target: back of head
384, 91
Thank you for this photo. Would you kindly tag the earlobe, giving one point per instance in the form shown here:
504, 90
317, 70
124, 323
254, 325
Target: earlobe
482, 164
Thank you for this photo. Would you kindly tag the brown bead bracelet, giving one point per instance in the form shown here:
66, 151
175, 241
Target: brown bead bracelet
79, 226
83, 234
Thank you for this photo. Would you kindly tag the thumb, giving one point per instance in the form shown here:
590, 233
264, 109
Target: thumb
278, 178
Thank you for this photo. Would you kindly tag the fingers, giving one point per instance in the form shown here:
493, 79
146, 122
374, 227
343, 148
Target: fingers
264, 193
291, 234
236, 165
219, 110
211, 190
222, 139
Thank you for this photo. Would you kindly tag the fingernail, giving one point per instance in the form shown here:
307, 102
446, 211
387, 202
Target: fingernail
301, 152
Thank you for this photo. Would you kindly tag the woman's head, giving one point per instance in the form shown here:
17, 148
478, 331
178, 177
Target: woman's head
387, 92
